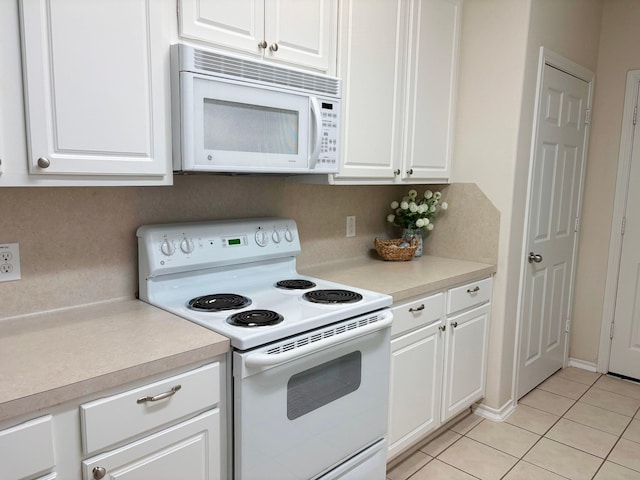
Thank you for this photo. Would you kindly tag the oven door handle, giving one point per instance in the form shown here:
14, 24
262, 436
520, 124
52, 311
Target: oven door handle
269, 360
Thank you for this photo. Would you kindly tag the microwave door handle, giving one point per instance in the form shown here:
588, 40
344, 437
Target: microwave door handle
269, 360
315, 110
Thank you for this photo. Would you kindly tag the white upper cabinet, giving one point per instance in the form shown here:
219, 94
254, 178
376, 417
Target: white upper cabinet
96, 87
300, 33
398, 63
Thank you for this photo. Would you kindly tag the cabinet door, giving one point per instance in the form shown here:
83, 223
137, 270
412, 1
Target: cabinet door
431, 82
302, 33
372, 63
235, 24
416, 376
465, 360
190, 450
97, 87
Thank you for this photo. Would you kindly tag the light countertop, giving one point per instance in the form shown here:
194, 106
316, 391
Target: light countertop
51, 358
402, 280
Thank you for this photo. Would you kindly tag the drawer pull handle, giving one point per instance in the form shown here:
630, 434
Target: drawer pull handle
417, 309
473, 290
160, 396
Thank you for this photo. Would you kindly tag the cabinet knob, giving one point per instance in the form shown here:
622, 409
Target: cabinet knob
44, 162
263, 44
410, 171
274, 47
454, 324
99, 472
442, 328
396, 172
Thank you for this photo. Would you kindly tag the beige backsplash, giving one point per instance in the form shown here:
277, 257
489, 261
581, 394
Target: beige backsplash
78, 245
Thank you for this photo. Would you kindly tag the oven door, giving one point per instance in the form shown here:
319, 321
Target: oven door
310, 403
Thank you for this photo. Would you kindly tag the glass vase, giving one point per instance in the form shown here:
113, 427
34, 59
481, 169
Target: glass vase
408, 233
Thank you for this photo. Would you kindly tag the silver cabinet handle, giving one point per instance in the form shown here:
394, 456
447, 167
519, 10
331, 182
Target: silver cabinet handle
263, 44
160, 396
396, 172
454, 324
410, 171
98, 472
417, 309
44, 162
534, 257
442, 328
274, 47
473, 290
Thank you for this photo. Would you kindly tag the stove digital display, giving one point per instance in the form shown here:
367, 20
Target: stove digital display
233, 241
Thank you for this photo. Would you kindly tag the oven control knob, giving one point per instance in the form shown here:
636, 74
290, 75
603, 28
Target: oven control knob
186, 245
276, 237
262, 238
288, 235
167, 247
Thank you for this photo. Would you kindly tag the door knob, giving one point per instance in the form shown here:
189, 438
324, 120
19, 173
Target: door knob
534, 257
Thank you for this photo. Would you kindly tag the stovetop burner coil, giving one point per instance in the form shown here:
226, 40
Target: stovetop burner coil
255, 318
219, 302
332, 296
295, 284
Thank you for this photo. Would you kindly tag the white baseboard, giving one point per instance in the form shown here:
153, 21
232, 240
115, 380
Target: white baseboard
590, 366
495, 414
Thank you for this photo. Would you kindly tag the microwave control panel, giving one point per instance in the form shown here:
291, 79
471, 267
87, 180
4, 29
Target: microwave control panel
329, 148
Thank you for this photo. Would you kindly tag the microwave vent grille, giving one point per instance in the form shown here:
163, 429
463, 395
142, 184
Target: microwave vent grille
248, 70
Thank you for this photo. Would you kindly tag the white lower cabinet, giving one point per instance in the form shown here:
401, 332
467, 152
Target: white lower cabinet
438, 361
26, 450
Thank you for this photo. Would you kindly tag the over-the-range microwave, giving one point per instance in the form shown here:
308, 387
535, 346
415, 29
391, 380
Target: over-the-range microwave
236, 115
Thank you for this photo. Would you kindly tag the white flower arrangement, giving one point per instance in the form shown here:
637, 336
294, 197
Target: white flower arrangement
417, 213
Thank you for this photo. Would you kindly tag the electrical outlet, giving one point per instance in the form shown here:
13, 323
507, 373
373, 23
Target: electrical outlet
351, 226
9, 262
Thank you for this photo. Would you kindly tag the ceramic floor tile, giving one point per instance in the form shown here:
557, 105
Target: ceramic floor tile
547, 401
440, 443
408, 467
633, 431
532, 419
466, 424
563, 386
611, 401
478, 459
437, 470
505, 437
578, 375
612, 471
587, 439
563, 460
619, 386
596, 417
627, 454
528, 471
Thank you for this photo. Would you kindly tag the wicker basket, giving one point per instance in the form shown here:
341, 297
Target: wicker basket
392, 251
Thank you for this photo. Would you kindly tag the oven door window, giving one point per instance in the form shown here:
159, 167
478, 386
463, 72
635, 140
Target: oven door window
318, 386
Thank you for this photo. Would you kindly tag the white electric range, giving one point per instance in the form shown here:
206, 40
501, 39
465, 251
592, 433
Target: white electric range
310, 358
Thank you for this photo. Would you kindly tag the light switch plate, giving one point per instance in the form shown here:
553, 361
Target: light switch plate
9, 262
351, 226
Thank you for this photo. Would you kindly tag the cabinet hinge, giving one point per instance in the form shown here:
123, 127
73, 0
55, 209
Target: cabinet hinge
587, 116
576, 226
624, 225
611, 331
566, 326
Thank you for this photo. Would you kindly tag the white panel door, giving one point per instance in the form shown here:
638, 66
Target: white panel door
372, 55
302, 32
97, 86
431, 89
553, 206
625, 344
237, 24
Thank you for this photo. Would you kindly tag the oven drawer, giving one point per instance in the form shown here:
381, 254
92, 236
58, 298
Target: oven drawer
417, 313
468, 296
114, 419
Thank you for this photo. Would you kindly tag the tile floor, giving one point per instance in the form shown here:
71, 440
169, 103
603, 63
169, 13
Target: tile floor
577, 425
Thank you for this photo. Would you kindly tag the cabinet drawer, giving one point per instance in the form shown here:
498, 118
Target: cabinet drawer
113, 419
26, 449
469, 295
417, 313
